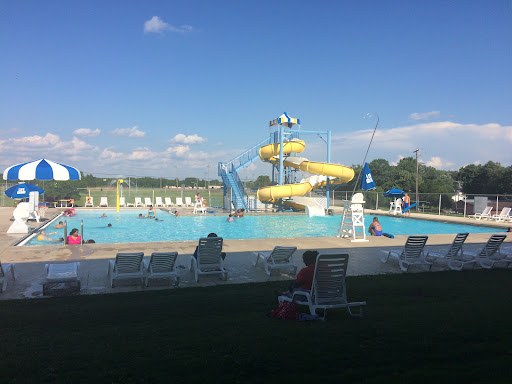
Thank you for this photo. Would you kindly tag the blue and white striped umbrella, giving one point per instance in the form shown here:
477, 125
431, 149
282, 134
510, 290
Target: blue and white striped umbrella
41, 170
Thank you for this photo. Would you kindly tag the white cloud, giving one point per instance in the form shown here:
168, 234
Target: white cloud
456, 144
178, 150
129, 132
157, 25
191, 139
87, 132
425, 115
438, 163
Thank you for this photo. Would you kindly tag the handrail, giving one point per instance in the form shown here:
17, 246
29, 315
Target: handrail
248, 155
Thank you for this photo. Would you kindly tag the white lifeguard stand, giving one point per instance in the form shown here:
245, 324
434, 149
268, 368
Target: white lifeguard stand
395, 207
352, 221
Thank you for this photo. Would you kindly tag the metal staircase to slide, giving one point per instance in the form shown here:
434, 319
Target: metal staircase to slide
229, 173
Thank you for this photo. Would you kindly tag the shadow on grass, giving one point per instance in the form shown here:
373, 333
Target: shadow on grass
442, 326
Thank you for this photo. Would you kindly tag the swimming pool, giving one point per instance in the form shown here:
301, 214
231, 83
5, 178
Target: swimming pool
126, 227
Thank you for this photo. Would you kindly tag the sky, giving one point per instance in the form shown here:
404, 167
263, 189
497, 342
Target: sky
165, 88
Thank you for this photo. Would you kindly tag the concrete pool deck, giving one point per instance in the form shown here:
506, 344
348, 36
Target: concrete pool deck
93, 258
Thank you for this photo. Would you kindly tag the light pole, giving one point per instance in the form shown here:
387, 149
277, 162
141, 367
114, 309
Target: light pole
176, 175
417, 201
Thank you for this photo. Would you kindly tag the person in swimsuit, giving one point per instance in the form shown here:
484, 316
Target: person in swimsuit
151, 213
60, 225
407, 202
230, 219
375, 228
74, 237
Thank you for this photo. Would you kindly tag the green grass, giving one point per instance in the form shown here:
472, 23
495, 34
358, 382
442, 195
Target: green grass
443, 326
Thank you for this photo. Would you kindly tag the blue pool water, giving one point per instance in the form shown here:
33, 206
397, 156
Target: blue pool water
126, 227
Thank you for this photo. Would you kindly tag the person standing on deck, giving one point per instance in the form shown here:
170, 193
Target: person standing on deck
407, 203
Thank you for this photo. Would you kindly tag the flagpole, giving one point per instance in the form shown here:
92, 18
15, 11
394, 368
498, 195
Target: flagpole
367, 150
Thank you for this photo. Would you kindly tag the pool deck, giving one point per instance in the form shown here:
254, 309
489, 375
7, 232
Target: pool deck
93, 258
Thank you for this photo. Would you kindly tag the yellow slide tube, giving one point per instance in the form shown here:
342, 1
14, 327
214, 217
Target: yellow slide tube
274, 193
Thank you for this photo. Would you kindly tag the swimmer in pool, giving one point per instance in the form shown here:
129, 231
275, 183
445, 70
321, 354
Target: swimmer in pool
175, 213
151, 213
45, 236
375, 228
102, 216
60, 225
230, 219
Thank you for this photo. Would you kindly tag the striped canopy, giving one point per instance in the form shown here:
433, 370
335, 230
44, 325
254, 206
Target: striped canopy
41, 170
284, 119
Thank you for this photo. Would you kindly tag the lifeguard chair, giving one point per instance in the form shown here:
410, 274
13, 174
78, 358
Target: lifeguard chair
352, 222
395, 207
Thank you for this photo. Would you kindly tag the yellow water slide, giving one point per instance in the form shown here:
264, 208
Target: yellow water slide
270, 153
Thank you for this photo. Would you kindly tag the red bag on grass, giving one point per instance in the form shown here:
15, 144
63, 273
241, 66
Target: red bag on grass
286, 311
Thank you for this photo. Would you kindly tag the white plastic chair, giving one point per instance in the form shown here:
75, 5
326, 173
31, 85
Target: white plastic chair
411, 254
4, 271
126, 266
162, 265
122, 202
64, 276
504, 215
454, 255
168, 202
188, 201
103, 202
280, 258
490, 254
179, 202
486, 214
209, 260
329, 289
89, 201
158, 202
147, 201
138, 202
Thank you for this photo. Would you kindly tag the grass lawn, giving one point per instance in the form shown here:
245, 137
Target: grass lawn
441, 327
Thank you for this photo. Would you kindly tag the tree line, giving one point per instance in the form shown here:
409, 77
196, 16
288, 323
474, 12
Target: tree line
490, 178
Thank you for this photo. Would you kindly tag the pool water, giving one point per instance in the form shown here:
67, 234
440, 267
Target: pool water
127, 227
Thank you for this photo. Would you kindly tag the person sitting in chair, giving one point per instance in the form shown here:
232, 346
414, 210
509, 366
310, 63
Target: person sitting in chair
304, 279
375, 228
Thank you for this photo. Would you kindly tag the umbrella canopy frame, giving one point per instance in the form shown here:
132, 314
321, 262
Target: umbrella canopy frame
41, 169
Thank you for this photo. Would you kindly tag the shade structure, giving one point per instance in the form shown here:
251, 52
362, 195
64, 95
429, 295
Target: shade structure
395, 193
284, 119
42, 169
22, 191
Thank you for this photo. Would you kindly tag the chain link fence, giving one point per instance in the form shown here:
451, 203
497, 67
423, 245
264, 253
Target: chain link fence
433, 203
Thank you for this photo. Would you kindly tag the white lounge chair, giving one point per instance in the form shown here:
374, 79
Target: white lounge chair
168, 202
504, 215
209, 260
188, 201
411, 254
279, 258
159, 202
122, 202
454, 256
130, 204
4, 271
62, 277
486, 214
490, 254
148, 202
162, 265
126, 266
89, 201
103, 202
329, 289
138, 202
179, 202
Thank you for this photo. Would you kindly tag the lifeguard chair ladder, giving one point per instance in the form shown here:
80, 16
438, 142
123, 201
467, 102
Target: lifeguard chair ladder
352, 221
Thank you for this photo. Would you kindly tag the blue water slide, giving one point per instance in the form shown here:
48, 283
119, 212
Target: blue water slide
229, 173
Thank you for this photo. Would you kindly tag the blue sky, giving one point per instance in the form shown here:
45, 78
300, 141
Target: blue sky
137, 88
